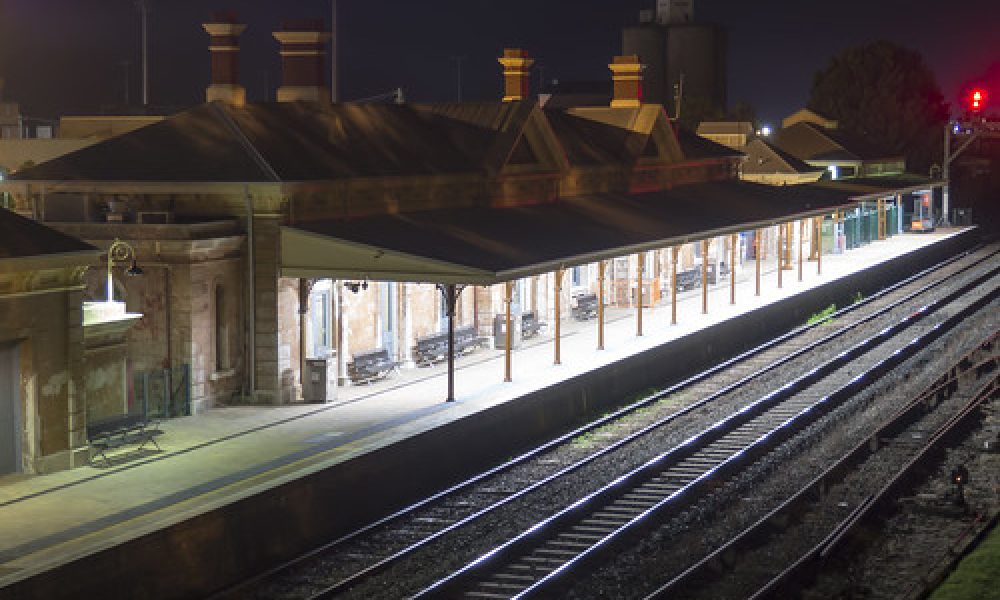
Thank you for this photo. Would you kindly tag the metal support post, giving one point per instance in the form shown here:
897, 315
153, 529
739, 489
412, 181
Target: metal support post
450, 294
704, 277
756, 255
802, 231
600, 304
673, 285
781, 255
558, 317
733, 239
640, 258
819, 245
508, 292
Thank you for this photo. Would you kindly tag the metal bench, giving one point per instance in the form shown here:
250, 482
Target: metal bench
530, 325
434, 347
688, 280
121, 432
585, 307
366, 367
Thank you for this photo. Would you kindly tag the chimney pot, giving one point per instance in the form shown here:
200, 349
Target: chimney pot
516, 73
224, 32
626, 73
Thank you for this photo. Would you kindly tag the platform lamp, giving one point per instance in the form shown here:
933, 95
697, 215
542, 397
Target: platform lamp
960, 477
120, 251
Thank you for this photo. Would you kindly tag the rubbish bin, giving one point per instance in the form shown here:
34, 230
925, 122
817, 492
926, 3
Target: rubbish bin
500, 332
314, 383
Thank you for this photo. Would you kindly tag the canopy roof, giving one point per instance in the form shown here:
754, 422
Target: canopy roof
480, 245
26, 245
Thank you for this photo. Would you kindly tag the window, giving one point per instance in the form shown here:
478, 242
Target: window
221, 330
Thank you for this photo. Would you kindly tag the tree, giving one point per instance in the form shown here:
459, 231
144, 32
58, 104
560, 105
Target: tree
887, 95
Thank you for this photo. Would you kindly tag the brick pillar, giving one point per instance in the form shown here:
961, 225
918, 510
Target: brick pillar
79, 451
267, 240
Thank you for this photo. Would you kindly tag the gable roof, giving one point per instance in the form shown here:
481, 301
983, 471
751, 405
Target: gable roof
696, 147
765, 158
810, 142
26, 244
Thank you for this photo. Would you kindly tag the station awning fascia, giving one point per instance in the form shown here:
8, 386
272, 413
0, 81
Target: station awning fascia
313, 255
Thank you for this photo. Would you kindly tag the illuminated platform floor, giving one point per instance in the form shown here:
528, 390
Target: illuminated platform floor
211, 459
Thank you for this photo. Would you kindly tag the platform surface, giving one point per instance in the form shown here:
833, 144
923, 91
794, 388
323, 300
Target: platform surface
225, 454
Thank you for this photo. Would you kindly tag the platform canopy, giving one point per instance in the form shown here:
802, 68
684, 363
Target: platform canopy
482, 246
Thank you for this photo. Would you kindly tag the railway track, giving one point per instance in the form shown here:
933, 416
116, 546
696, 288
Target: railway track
368, 554
544, 557
784, 551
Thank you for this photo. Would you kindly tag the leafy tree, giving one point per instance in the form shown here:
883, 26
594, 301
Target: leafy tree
887, 95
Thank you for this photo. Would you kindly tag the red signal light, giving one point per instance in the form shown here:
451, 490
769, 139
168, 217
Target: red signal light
976, 100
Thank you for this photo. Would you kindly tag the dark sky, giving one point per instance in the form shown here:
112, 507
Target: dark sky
67, 55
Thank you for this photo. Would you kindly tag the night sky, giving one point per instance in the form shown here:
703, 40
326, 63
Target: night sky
67, 56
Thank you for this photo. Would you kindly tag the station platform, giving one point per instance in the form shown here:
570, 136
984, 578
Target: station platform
212, 459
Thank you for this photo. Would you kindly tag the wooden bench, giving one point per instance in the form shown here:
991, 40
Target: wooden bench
530, 325
121, 432
585, 307
434, 347
366, 367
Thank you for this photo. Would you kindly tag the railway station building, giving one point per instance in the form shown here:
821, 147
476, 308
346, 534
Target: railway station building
270, 234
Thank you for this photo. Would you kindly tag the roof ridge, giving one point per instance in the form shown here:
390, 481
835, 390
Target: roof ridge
242, 139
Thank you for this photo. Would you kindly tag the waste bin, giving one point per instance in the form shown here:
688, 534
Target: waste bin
500, 331
314, 383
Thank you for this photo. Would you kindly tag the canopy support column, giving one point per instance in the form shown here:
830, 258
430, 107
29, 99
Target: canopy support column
802, 231
704, 277
818, 225
508, 292
733, 240
781, 255
450, 293
640, 259
673, 285
305, 289
600, 304
756, 256
558, 316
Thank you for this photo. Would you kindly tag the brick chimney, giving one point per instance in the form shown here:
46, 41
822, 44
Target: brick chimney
224, 45
626, 73
303, 48
516, 73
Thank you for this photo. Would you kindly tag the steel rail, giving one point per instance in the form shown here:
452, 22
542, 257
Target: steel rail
711, 565
605, 420
384, 563
533, 538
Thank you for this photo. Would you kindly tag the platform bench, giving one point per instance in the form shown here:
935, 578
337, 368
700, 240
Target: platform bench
688, 280
530, 325
434, 348
121, 432
366, 367
585, 307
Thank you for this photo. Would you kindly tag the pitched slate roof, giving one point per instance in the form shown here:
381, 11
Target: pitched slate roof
808, 141
22, 238
590, 142
278, 142
696, 147
764, 158
490, 244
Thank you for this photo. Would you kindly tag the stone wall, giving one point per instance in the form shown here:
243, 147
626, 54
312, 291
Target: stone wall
41, 314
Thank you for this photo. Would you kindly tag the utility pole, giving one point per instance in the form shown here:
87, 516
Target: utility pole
678, 97
143, 9
458, 61
334, 39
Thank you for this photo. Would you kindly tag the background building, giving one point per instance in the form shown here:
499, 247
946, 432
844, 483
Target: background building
674, 47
